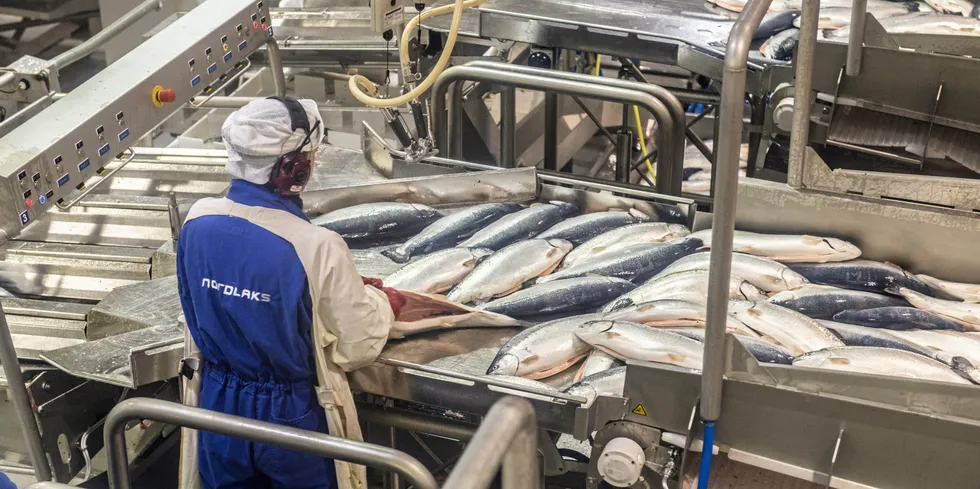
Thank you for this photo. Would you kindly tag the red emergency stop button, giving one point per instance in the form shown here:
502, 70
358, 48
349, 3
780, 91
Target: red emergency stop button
163, 96
255, 24
29, 202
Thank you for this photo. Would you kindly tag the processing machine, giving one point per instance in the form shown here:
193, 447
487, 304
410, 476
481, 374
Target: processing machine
94, 182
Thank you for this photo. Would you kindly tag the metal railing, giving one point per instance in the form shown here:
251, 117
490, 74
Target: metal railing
249, 429
670, 139
507, 439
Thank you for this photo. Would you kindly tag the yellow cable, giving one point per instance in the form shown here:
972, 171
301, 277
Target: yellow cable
595, 69
358, 81
643, 143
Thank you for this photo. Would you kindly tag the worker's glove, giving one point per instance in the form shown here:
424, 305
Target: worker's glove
373, 282
395, 298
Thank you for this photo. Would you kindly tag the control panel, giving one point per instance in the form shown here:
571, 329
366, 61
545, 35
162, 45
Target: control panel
55, 155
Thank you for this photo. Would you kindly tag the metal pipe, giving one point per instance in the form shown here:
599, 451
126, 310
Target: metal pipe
665, 172
508, 128
672, 154
22, 402
414, 422
726, 178
800, 129
503, 439
455, 121
551, 131
855, 39
84, 49
624, 149
397, 125
249, 429
275, 64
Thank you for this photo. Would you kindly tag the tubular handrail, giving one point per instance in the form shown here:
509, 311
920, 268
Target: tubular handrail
669, 165
507, 439
669, 100
112, 30
723, 226
253, 430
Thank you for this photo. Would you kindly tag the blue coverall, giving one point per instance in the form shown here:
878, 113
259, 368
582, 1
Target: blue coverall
246, 299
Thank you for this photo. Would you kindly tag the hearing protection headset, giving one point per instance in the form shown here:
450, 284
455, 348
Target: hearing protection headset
293, 170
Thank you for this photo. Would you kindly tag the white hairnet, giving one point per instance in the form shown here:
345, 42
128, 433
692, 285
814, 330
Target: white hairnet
259, 133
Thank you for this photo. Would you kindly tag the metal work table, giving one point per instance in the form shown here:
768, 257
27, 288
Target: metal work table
686, 33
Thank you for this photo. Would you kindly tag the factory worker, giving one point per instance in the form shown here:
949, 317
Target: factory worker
264, 291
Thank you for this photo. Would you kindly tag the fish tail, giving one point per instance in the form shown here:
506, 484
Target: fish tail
396, 255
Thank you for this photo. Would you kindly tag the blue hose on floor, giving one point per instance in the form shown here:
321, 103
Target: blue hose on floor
706, 451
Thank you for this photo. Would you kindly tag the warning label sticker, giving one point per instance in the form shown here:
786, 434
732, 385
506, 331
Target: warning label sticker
393, 18
639, 411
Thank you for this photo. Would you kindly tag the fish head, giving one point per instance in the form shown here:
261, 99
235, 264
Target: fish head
792, 279
843, 250
638, 215
592, 330
566, 208
736, 308
506, 364
561, 244
751, 292
621, 303
479, 254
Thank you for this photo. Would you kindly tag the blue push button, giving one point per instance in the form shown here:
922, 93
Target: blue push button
212, 68
25, 218
104, 149
196, 80
228, 56
241, 45
84, 164
63, 180
124, 134
42, 200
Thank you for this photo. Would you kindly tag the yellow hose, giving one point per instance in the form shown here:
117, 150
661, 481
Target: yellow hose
643, 143
358, 81
595, 69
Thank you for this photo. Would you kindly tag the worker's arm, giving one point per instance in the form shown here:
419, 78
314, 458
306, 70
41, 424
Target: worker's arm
358, 315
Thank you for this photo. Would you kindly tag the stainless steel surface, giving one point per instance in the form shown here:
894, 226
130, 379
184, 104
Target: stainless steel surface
69, 128
672, 154
788, 419
46, 9
415, 422
274, 58
108, 32
726, 177
515, 185
258, 431
923, 239
667, 97
23, 407
508, 128
803, 88
506, 440
855, 40
89, 187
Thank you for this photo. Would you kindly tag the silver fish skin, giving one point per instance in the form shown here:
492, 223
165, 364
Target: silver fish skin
632, 341
922, 23
635, 263
950, 343
948, 290
506, 270
520, 225
781, 46
609, 382
672, 314
580, 229
762, 350
766, 274
898, 318
823, 301
789, 248
597, 361
965, 313
437, 272
853, 335
519, 382
542, 350
449, 230
561, 296
378, 221
837, 17
795, 332
690, 286
867, 275
616, 239
879, 361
